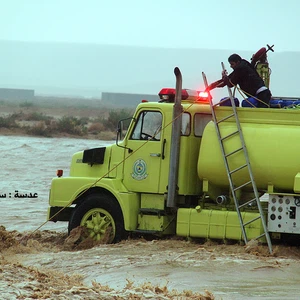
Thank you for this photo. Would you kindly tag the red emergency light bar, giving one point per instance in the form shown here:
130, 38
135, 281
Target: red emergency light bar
168, 95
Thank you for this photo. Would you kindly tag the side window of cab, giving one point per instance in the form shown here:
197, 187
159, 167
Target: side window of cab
148, 126
200, 121
185, 124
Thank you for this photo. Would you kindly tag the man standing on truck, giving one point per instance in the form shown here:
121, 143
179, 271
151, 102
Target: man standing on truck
245, 75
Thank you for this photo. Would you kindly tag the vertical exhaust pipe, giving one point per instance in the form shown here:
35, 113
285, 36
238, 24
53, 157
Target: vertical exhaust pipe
175, 142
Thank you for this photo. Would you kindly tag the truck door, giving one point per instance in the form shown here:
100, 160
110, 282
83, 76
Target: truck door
142, 167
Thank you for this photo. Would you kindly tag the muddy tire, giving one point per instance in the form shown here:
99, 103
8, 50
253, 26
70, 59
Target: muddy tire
101, 216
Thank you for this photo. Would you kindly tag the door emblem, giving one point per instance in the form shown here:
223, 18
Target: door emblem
139, 170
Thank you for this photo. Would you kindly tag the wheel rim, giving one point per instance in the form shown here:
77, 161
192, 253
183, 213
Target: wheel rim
100, 225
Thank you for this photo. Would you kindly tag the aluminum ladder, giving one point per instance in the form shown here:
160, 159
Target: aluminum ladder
230, 172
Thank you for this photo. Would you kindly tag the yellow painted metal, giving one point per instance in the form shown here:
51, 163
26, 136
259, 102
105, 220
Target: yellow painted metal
97, 221
113, 156
155, 201
188, 180
149, 179
64, 190
216, 224
48, 212
163, 224
297, 183
272, 138
78, 168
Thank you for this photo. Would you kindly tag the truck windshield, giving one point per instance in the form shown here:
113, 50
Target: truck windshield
148, 126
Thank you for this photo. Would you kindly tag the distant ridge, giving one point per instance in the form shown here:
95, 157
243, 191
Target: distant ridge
89, 69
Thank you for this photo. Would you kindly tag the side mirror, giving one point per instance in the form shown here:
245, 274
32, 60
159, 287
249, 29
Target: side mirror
120, 130
122, 127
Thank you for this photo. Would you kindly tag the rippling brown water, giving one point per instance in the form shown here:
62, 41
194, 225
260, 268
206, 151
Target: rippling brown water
28, 165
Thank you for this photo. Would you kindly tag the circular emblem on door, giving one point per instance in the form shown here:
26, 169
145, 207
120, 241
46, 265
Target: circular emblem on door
139, 170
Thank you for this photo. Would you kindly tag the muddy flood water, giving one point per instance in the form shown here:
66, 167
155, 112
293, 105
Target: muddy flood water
46, 264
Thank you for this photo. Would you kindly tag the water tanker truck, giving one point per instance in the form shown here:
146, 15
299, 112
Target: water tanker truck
174, 172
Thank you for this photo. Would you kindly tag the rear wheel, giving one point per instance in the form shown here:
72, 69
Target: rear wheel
102, 218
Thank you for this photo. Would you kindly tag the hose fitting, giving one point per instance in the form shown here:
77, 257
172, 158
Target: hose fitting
221, 200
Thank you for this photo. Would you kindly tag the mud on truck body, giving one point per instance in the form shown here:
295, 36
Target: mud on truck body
167, 176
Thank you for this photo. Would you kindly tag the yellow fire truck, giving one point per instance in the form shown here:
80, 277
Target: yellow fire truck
188, 167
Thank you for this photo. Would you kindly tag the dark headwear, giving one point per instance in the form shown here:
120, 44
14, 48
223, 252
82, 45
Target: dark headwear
234, 58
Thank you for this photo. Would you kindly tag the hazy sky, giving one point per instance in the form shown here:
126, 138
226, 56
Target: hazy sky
212, 24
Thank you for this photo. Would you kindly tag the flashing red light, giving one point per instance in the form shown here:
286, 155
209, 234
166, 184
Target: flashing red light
59, 173
204, 97
144, 101
203, 94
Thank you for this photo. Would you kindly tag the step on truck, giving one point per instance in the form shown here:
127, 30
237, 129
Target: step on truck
188, 167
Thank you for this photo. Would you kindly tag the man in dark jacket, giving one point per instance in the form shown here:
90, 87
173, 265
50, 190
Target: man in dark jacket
247, 78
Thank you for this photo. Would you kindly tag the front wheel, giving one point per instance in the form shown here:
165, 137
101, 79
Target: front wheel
101, 216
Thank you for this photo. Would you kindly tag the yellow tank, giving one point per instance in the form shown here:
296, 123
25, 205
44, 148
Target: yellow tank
272, 138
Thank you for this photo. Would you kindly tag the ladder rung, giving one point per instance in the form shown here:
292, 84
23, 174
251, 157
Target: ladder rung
245, 224
237, 169
225, 118
242, 185
260, 236
235, 151
229, 135
246, 203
